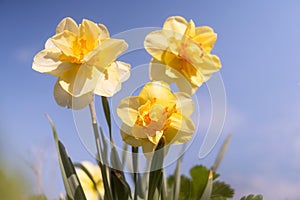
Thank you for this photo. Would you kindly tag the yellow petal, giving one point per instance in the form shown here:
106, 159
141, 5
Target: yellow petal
138, 132
210, 64
185, 104
155, 139
106, 53
128, 110
67, 24
156, 44
176, 23
128, 138
190, 30
91, 194
110, 83
50, 45
89, 32
158, 71
181, 129
93, 169
104, 32
148, 147
158, 92
64, 41
47, 61
206, 37
64, 99
79, 80
87, 185
185, 86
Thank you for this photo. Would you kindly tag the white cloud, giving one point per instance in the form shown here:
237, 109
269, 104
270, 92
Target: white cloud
275, 188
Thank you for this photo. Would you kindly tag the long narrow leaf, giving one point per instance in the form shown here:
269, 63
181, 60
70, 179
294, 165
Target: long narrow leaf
155, 176
106, 109
70, 173
176, 183
86, 171
62, 170
208, 189
221, 153
103, 168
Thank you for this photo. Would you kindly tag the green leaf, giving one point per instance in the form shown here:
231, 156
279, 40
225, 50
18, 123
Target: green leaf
221, 153
221, 190
100, 157
176, 186
208, 189
121, 189
70, 179
70, 173
156, 174
199, 181
185, 188
86, 171
252, 197
106, 109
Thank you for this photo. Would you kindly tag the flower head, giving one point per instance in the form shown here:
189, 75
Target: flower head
156, 114
83, 58
91, 189
185, 50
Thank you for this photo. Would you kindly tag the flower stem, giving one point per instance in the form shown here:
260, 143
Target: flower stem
104, 169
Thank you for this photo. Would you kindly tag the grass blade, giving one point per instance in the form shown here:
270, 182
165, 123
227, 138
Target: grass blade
221, 153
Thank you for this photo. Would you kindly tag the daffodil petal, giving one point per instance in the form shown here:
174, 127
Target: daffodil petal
80, 80
50, 45
156, 44
185, 86
88, 187
67, 24
47, 61
110, 83
155, 139
158, 72
210, 64
190, 29
148, 147
64, 99
206, 37
128, 138
64, 41
104, 32
128, 110
176, 23
138, 132
106, 53
158, 92
185, 104
89, 32
181, 129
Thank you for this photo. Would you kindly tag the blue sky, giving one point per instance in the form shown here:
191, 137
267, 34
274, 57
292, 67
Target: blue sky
258, 43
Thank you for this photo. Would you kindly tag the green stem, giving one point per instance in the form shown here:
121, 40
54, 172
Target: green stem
156, 172
103, 168
106, 109
135, 175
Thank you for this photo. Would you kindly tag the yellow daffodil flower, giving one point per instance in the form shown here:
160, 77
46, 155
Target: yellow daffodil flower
155, 114
91, 190
83, 58
182, 51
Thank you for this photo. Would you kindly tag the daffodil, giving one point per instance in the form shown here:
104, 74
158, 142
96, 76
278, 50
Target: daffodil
182, 51
83, 57
156, 114
94, 187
